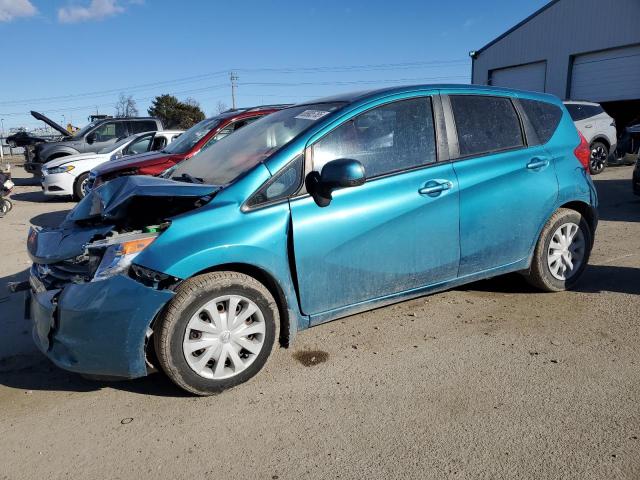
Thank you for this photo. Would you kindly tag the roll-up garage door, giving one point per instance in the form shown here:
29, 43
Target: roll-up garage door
523, 77
607, 76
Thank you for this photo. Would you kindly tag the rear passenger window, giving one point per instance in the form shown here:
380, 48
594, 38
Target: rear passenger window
143, 126
485, 124
386, 139
544, 118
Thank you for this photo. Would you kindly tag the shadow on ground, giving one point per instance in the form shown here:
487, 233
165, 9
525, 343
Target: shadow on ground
49, 219
596, 279
38, 197
617, 201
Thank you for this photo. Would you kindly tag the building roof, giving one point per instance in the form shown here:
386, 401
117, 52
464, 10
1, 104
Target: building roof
515, 27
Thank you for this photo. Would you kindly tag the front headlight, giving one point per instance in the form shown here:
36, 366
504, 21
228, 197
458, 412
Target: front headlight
61, 169
117, 257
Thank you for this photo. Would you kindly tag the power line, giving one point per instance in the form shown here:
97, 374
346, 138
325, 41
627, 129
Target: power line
221, 73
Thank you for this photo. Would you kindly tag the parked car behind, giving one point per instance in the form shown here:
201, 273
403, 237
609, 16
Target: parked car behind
69, 175
598, 128
312, 213
91, 138
198, 138
636, 176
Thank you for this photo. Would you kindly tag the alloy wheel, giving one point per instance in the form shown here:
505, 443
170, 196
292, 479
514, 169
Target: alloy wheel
224, 337
566, 251
598, 158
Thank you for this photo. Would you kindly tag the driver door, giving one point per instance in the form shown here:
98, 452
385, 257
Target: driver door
389, 235
107, 134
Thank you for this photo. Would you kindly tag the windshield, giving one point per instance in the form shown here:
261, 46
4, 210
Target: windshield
188, 139
116, 146
224, 161
84, 130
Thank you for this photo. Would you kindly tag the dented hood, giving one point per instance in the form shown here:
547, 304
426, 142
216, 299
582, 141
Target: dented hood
112, 200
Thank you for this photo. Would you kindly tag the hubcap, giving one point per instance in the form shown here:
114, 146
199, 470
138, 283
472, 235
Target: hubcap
224, 337
566, 251
598, 158
84, 186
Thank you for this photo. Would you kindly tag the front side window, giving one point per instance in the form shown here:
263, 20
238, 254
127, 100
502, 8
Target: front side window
224, 161
485, 124
109, 131
386, 139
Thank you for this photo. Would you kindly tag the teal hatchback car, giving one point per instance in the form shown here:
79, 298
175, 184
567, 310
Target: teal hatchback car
312, 213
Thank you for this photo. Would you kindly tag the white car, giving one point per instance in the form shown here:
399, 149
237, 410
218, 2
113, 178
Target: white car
68, 175
598, 128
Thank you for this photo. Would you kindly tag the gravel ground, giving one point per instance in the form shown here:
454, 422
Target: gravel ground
491, 380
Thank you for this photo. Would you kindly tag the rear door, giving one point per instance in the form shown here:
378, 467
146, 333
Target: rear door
506, 187
397, 232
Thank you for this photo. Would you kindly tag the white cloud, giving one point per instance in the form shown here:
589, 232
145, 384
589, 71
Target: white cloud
96, 10
10, 9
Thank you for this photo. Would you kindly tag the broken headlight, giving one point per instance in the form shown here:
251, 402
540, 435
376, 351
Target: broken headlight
117, 257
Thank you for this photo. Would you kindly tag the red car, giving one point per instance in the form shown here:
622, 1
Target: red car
197, 138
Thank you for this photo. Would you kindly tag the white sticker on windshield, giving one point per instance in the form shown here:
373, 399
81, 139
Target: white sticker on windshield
311, 115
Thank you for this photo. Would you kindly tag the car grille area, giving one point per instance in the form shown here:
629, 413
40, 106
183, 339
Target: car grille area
57, 275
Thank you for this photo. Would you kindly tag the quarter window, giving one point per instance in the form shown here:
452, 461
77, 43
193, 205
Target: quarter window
485, 124
282, 185
544, 118
386, 139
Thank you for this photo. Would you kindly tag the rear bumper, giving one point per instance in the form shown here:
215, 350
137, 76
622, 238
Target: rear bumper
96, 328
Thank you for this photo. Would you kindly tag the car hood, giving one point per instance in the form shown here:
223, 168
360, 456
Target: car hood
112, 201
51, 123
123, 204
135, 161
75, 158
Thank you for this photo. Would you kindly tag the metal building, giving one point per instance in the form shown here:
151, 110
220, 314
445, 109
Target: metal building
577, 49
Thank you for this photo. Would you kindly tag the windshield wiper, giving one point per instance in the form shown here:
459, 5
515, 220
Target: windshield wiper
185, 177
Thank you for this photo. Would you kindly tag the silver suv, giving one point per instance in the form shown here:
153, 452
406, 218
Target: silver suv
598, 128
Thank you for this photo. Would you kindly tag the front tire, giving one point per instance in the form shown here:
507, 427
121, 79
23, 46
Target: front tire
80, 186
598, 158
562, 252
217, 332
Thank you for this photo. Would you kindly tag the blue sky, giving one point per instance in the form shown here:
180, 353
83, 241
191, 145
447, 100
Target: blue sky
85, 52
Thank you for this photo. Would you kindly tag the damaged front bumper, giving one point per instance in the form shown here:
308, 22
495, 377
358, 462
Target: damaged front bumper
96, 328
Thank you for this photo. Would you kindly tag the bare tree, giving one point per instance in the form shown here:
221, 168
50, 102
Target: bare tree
126, 106
221, 106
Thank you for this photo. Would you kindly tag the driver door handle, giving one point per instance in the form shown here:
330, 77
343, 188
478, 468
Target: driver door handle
435, 187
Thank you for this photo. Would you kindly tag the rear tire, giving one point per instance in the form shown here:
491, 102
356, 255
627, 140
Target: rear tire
201, 338
79, 186
598, 158
562, 252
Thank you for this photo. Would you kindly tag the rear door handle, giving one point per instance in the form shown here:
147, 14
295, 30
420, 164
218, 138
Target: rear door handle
537, 163
588, 126
435, 187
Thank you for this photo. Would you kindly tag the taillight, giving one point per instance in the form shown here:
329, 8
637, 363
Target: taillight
583, 152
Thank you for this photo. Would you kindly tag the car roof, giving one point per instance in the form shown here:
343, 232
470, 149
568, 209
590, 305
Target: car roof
351, 97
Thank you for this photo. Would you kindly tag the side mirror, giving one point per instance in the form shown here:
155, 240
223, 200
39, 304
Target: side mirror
91, 138
337, 174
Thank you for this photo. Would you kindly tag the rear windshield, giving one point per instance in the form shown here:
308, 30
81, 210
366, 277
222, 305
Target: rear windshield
580, 112
235, 154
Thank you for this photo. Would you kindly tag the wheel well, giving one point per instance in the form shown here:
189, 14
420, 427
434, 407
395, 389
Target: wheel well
272, 285
602, 140
586, 211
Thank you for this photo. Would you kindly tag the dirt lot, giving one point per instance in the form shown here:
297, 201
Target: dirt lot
491, 380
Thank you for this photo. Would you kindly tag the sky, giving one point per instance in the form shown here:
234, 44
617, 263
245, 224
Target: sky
69, 58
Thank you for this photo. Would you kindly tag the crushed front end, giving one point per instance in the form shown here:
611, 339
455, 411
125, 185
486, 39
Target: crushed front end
91, 307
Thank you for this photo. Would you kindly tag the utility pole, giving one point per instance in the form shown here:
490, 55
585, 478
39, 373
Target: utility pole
234, 78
